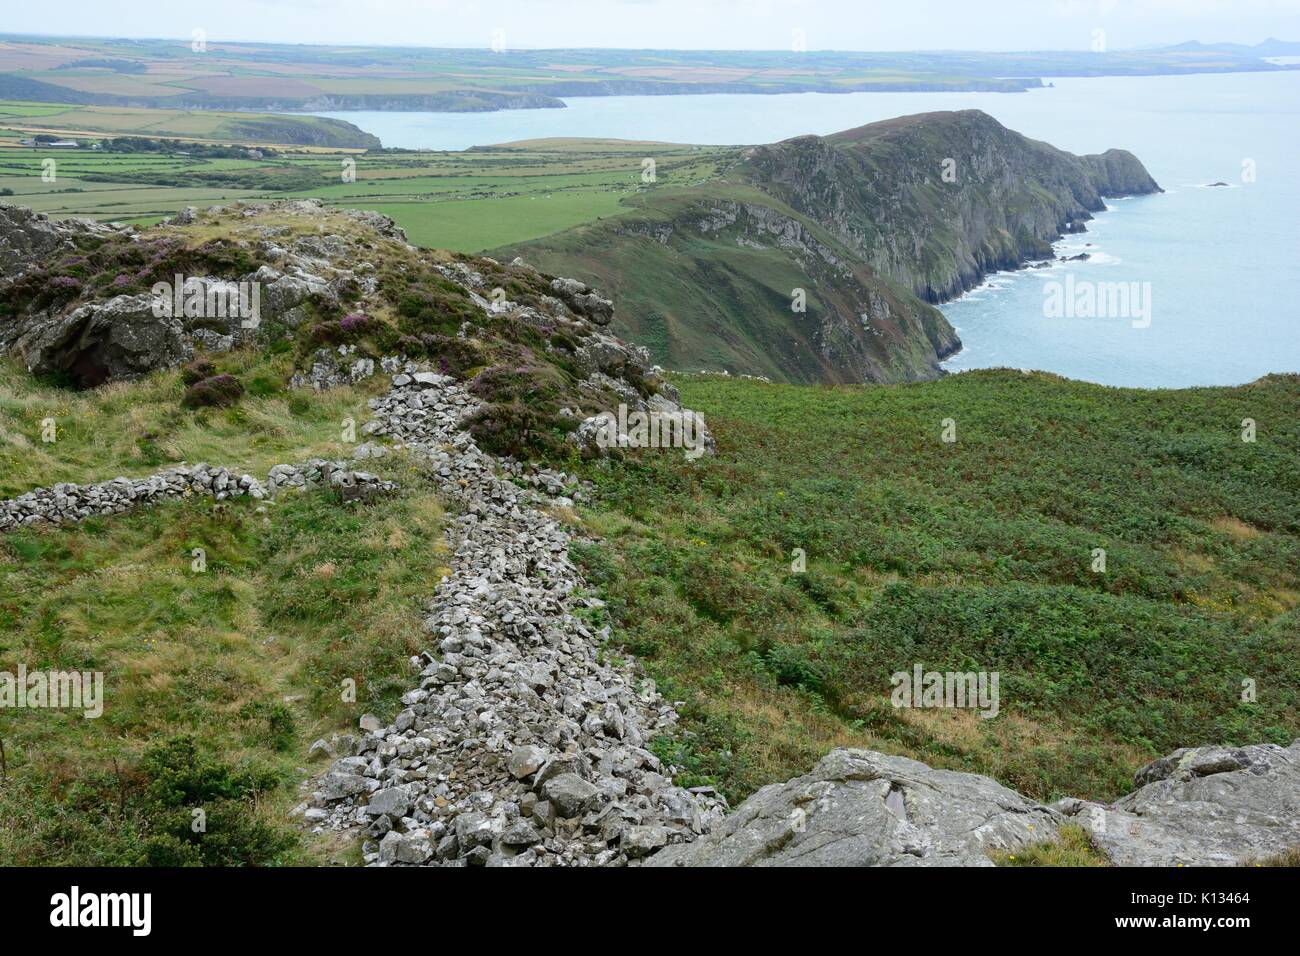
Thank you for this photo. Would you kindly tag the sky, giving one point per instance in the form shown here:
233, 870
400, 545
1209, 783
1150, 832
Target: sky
676, 24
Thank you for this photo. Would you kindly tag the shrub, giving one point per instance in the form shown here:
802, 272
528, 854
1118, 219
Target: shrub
197, 371
355, 323
514, 429
217, 391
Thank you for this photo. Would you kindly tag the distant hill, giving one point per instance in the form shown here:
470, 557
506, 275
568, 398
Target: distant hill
168, 73
1269, 47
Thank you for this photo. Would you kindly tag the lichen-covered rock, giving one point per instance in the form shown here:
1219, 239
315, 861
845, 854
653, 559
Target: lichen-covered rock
583, 300
27, 237
99, 342
862, 808
1201, 806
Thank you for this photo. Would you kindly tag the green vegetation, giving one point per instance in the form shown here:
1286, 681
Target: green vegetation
1074, 847
975, 555
137, 428
35, 119
464, 201
215, 683
720, 297
1289, 857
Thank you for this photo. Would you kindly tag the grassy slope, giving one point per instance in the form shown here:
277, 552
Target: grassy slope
136, 428
247, 657
967, 556
718, 301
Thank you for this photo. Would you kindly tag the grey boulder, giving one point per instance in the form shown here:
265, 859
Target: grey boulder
862, 808
97, 343
1201, 806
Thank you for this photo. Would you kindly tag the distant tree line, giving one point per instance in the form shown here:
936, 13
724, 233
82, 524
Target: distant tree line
140, 144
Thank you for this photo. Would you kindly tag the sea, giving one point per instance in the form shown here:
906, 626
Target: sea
1198, 285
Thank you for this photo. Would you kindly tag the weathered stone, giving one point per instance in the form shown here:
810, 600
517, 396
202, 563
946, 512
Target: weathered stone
392, 802
642, 840
338, 786
570, 794
1203, 806
525, 761
404, 848
862, 808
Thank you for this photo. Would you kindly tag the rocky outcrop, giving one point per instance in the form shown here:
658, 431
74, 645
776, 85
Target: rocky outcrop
27, 237
937, 201
97, 343
583, 300
862, 808
1203, 806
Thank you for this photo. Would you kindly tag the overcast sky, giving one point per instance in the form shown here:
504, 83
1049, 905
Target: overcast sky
676, 24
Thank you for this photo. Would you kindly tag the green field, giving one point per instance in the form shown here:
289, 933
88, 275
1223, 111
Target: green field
465, 201
22, 118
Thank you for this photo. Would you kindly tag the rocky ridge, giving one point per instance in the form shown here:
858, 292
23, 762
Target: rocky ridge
525, 742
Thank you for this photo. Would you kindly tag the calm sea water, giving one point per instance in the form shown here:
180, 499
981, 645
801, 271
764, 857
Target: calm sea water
1221, 266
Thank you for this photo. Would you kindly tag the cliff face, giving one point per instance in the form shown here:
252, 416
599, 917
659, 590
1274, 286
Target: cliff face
936, 201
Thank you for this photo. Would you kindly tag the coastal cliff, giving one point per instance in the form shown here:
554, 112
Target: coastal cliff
937, 201
873, 224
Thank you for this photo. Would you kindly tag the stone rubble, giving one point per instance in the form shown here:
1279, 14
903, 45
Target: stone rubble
524, 744
66, 502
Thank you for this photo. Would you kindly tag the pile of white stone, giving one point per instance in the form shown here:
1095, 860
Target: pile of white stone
65, 502
525, 741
